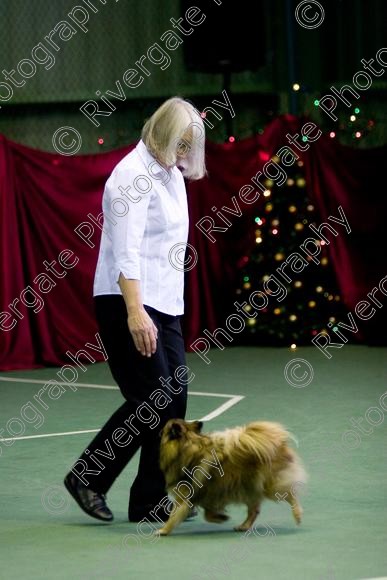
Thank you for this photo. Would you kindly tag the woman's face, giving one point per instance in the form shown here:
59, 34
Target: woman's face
184, 146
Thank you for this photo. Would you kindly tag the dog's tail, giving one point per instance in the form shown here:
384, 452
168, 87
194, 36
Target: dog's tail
263, 439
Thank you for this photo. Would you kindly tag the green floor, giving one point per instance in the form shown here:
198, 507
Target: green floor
343, 535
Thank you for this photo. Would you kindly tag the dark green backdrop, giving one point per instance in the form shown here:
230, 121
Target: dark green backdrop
120, 32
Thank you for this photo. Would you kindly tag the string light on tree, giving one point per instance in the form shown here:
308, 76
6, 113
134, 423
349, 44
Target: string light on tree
355, 129
279, 233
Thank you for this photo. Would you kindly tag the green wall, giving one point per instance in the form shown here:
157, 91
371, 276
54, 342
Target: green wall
121, 31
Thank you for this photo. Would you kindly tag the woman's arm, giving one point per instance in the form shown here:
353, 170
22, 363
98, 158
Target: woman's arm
126, 235
141, 326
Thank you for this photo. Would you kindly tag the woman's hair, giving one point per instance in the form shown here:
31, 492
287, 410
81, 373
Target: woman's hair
177, 126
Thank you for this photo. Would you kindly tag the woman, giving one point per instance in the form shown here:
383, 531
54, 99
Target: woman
138, 295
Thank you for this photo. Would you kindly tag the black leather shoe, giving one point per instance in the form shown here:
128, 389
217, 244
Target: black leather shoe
193, 512
147, 511
92, 502
156, 514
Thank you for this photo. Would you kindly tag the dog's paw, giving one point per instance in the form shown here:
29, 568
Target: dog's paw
297, 513
241, 528
160, 532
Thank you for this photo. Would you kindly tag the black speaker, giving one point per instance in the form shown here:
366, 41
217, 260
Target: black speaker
231, 38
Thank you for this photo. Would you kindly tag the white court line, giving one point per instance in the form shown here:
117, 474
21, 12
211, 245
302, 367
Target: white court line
94, 386
233, 400
48, 435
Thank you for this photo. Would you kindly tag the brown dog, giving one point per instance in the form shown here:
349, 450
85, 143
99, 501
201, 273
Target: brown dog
240, 465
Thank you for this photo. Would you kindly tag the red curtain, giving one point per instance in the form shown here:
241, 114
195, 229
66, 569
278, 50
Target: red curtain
44, 197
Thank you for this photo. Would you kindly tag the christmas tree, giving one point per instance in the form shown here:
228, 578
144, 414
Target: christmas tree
312, 300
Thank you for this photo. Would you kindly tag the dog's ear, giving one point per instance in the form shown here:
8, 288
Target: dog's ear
175, 432
198, 426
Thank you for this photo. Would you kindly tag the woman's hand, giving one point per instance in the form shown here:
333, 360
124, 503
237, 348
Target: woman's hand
143, 330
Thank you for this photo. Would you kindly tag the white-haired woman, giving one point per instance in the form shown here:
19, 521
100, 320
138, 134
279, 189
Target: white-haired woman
138, 294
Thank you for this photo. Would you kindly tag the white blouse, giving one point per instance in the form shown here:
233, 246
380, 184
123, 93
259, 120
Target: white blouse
145, 231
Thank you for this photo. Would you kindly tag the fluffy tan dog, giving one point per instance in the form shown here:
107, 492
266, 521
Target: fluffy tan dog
241, 465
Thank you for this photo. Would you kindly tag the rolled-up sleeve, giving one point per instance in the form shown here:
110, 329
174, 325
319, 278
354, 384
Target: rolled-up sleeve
125, 221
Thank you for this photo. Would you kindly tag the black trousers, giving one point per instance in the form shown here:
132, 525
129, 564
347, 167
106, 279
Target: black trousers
138, 377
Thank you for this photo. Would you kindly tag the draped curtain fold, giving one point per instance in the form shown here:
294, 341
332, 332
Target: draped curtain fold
45, 197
